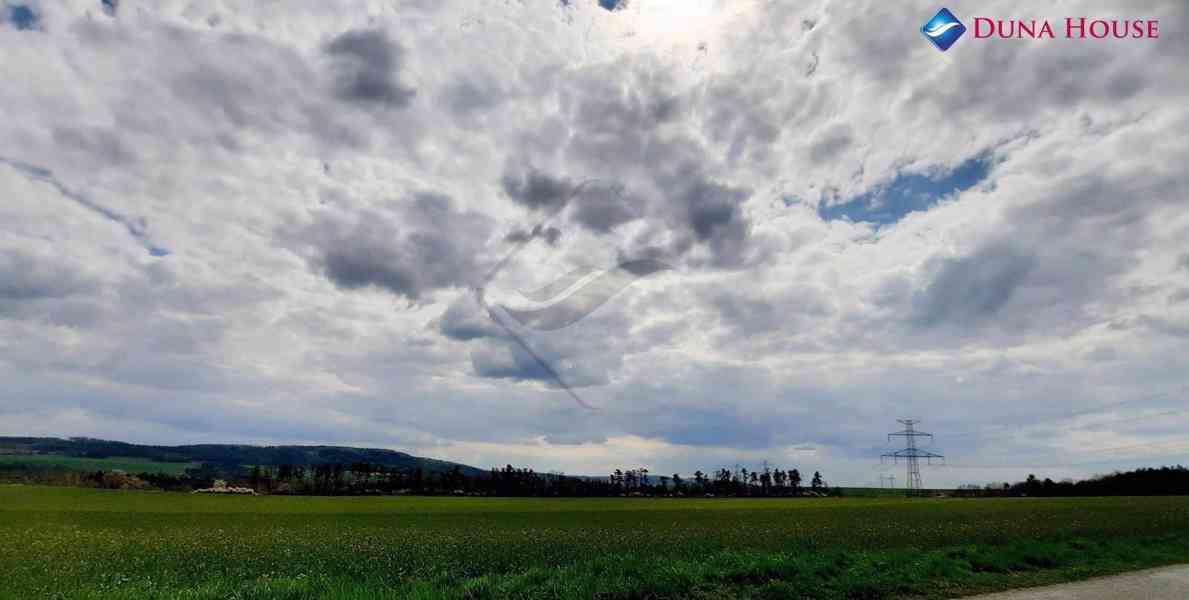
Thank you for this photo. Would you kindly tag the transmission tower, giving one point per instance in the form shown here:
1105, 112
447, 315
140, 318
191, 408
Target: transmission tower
911, 455
890, 479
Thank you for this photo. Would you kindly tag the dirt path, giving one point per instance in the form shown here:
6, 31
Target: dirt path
1167, 583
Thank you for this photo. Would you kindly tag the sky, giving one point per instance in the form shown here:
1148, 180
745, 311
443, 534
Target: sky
580, 235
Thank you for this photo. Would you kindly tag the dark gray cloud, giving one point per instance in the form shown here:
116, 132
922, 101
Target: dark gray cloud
627, 117
749, 315
24, 276
752, 313
555, 367
536, 190
628, 134
968, 289
1076, 241
603, 207
226, 91
713, 209
508, 343
714, 426
551, 235
1090, 200
425, 246
473, 93
367, 263
104, 144
515, 364
831, 143
367, 68
712, 413
744, 120
1069, 245
1065, 76
464, 320
712, 212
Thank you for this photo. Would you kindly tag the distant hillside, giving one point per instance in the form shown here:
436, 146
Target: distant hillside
227, 455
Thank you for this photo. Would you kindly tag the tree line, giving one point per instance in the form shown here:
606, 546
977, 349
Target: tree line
1161, 481
364, 478
722, 482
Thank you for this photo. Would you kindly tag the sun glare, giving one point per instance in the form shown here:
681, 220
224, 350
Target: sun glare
676, 20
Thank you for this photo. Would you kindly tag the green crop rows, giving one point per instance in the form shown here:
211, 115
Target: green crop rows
67, 542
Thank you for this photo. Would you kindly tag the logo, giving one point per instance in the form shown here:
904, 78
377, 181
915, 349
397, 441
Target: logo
567, 299
579, 293
943, 29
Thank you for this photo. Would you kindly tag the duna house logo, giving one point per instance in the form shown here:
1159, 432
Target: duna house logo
943, 29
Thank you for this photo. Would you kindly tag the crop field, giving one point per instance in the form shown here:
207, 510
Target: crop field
83, 543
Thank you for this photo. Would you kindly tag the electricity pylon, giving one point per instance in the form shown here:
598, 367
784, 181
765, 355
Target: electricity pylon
911, 455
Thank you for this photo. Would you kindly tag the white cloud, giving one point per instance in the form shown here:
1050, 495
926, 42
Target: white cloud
329, 182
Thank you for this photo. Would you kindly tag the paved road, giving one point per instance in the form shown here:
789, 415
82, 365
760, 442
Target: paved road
1168, 583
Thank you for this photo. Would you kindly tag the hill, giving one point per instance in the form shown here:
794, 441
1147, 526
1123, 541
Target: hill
226, 456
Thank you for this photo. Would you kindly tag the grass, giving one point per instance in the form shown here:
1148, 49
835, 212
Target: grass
81, 543
874, 492
75, 463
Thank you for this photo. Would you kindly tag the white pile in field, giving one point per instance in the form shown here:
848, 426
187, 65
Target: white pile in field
220, 487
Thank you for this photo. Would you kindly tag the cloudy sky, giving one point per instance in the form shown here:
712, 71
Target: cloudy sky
395, 224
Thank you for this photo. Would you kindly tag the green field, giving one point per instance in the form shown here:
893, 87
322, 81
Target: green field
874, 492
75, 463
84, 543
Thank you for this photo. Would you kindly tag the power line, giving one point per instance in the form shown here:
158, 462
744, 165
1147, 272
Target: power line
911, 455
1167, 447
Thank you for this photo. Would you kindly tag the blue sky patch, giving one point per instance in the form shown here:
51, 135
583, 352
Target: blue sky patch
908, 193
22, 17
